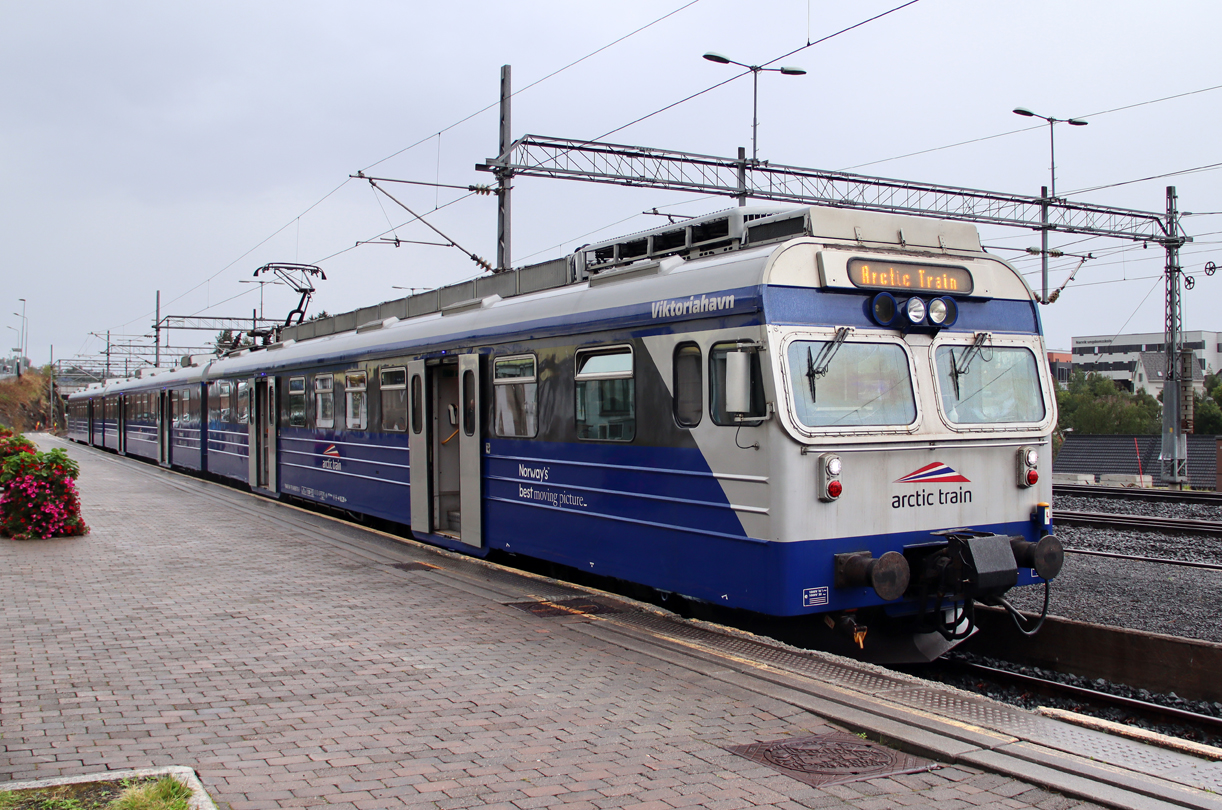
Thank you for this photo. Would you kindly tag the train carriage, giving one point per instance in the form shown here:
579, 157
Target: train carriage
792, 412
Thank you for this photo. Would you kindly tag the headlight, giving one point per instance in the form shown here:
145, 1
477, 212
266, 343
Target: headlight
937, 311
833, 465
915, 309
1032, 458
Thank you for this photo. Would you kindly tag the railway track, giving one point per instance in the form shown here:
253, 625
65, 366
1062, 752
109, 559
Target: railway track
1139, 494
1204, 726
1140, 522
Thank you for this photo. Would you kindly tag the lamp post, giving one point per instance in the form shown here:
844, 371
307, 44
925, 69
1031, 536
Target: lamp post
713, 56
17, 349
1052, 144
23, 332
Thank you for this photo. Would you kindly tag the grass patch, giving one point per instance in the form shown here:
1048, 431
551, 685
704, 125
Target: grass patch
156, 793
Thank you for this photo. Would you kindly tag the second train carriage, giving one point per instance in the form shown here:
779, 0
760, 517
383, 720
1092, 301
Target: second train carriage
811, 411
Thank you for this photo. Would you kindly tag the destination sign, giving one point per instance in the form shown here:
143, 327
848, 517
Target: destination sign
883, 275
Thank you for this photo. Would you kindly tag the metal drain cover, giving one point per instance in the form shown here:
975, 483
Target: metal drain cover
578, 606
415, 566
831, 759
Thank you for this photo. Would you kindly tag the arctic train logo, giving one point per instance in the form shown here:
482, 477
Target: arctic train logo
936, 473
331, 451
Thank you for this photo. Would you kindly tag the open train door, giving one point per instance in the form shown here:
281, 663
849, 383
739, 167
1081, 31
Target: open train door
263, 432
470, 451
419, 475
164, 421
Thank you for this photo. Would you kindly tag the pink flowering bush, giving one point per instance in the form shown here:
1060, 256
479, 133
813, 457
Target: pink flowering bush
38, 496
11, 444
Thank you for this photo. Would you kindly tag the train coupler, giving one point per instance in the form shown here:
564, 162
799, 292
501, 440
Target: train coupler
847, 626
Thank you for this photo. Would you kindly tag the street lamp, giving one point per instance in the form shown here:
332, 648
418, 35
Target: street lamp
1052, 122
713, 56
24, 331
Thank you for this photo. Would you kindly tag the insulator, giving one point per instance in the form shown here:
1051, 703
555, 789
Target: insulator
481, 262
482, 190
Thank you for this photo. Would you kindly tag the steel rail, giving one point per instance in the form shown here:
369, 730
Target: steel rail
1201, 721
1140, 522
1138, 494
1139, 558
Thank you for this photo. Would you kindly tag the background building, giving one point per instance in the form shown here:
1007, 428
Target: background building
1137, 361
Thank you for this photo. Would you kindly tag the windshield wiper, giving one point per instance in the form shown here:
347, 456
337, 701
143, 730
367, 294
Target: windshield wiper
816, 367
959, 366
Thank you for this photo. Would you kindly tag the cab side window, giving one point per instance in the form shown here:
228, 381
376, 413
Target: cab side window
688, 385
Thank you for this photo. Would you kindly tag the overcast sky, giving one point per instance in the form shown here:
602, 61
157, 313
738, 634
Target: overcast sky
178, 147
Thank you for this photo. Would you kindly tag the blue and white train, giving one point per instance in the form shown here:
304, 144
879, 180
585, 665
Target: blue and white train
795, 412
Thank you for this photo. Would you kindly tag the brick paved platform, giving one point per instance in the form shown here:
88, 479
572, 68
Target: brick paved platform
283, 657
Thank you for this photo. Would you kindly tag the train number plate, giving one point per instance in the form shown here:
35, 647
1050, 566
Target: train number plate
813, 597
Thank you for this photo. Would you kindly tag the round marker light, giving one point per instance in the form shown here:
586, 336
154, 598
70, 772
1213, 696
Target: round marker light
915, 310
1032, 477
1031, 458
937, 312
884, 309
834, 488
833, 466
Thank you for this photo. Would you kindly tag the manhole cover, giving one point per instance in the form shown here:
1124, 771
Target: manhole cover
578, 606
415, 566
831, 759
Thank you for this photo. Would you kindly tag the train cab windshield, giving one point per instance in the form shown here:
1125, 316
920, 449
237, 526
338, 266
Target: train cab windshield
983, 385
838, 384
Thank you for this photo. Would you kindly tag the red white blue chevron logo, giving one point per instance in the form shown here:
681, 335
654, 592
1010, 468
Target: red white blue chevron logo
331, 451
934, 473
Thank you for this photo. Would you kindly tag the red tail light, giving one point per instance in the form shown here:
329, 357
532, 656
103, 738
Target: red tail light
834, 488
1032, 477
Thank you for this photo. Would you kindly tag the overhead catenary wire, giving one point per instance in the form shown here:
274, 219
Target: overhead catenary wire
322, 199
1029, 129
556, 72
481, 262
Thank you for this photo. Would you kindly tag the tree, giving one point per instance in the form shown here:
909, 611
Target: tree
1092, 404
224, 341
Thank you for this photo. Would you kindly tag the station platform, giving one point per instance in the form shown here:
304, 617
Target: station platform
298, 661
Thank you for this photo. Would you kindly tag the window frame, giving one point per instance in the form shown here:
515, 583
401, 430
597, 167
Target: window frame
1047, 399
757, 376
350, 389
579, 377
528, 411
324, 386
847, 430
296, 390
675, 398
383, 388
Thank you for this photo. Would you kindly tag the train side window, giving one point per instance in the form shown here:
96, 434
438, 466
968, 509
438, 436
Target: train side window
214, 402
717, 386
468, 399
417, 403
297, 402
515, 387
356, 400
225, 390
393, 390
689, 385
606, 391
324, 401
243, 403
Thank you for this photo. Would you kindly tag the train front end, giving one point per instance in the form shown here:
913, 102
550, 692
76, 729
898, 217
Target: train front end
913, 392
